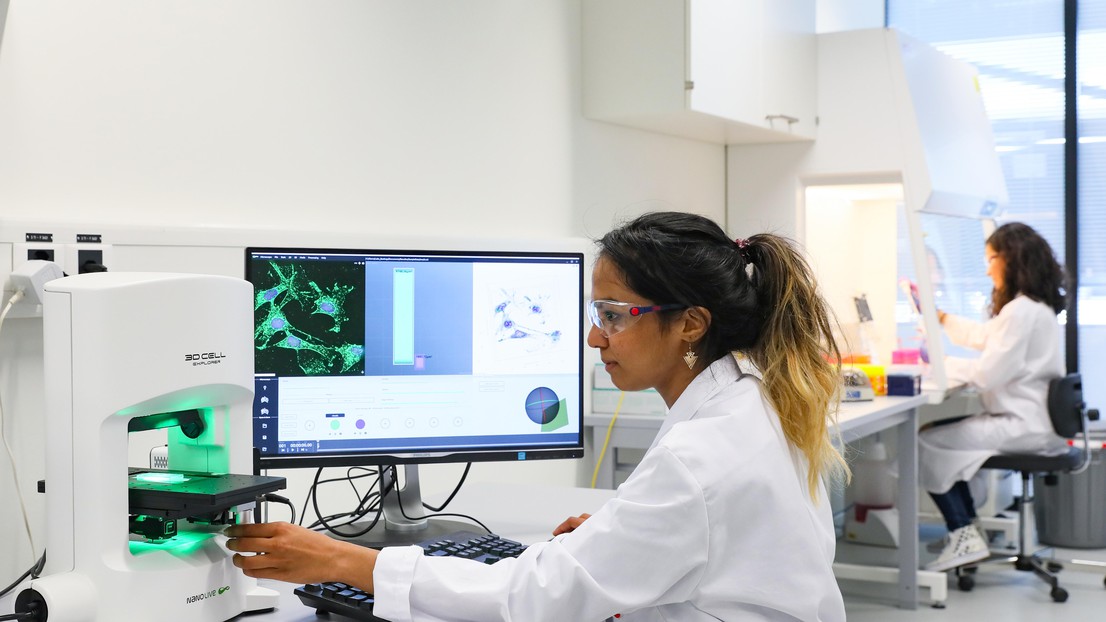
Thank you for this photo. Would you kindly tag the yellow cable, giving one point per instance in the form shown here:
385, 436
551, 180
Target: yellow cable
610, 428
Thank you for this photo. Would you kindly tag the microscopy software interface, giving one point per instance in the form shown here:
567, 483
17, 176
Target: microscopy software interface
362, 352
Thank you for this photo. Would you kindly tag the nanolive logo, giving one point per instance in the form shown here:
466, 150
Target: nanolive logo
211, 594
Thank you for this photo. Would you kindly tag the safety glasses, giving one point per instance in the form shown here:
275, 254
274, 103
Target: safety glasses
612, 317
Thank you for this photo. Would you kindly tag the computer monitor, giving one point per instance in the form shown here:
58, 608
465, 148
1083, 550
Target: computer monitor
389, 357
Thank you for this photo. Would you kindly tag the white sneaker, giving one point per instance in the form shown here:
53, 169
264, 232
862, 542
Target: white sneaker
936, 546
965, 546
978, 524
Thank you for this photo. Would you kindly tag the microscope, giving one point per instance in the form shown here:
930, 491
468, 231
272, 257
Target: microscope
127, 352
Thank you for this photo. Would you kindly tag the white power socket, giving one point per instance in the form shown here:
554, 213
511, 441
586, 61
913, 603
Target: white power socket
30, 277
45, 251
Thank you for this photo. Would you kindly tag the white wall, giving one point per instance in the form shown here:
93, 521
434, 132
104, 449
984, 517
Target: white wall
431, 117
837, 15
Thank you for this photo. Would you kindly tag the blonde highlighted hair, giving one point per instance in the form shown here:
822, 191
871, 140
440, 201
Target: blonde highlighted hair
794, 354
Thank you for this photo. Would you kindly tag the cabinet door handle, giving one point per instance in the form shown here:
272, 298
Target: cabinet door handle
772, 118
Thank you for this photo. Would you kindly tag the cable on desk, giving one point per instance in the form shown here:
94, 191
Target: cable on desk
350, 477
610, 428
362, 509
307, 499
395, 478
370, 502
452, 494
31, 572
366, 503
273, 498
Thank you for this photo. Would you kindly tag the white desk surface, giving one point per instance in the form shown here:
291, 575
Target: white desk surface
859, 419
853, 417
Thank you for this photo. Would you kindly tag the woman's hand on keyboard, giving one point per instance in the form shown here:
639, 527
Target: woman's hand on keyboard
570, 524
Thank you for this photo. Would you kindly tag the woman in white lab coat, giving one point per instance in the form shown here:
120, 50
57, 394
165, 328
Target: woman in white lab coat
725, 518
1020, 354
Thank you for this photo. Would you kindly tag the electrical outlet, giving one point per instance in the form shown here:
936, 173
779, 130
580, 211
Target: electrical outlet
23, 252
46, 251
83, 258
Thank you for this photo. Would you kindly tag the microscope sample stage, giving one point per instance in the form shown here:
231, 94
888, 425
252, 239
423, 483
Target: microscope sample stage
182, 494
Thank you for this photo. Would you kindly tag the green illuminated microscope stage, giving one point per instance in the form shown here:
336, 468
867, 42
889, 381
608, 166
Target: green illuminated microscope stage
181, 494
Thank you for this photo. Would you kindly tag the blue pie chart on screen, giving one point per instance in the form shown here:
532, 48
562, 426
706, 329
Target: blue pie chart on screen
542, 405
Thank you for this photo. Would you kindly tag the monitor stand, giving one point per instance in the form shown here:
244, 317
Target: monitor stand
404, 519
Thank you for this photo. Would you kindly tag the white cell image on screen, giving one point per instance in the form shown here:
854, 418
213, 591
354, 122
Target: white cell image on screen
526, 318
413, 407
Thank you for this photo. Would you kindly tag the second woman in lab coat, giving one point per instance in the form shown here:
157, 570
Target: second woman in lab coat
1020, 354
725, 518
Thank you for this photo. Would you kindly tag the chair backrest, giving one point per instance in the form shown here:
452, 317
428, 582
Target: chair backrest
1065, 404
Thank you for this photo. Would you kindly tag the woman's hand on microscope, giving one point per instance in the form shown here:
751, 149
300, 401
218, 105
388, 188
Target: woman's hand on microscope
291, 553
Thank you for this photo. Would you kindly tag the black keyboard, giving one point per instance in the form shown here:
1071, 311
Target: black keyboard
486, 548
351, 602
338, 598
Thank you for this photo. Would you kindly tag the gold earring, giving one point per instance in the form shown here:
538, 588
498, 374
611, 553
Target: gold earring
690, 357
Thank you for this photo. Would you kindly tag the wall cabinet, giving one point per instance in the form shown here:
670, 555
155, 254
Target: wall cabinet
724, 71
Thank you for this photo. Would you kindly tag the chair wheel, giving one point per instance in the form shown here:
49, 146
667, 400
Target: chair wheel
1059, 594
1054, 566
965, 582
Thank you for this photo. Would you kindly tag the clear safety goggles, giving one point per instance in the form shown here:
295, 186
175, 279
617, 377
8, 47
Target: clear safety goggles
612, 317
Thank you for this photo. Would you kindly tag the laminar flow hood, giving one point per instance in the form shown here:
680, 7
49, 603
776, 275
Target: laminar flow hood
890, 103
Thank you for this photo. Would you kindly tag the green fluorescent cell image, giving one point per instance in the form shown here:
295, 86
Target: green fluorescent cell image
301, 318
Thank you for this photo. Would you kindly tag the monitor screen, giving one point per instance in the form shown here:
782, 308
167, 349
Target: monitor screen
403, 357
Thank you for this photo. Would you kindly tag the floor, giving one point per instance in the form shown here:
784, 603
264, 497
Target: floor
1001, 593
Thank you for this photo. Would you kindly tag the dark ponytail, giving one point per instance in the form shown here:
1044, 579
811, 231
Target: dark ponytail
763, 301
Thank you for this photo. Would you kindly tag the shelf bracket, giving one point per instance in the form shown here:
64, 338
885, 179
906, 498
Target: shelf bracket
771, 119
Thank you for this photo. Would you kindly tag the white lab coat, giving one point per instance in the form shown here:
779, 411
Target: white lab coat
715, 523
1020, 355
